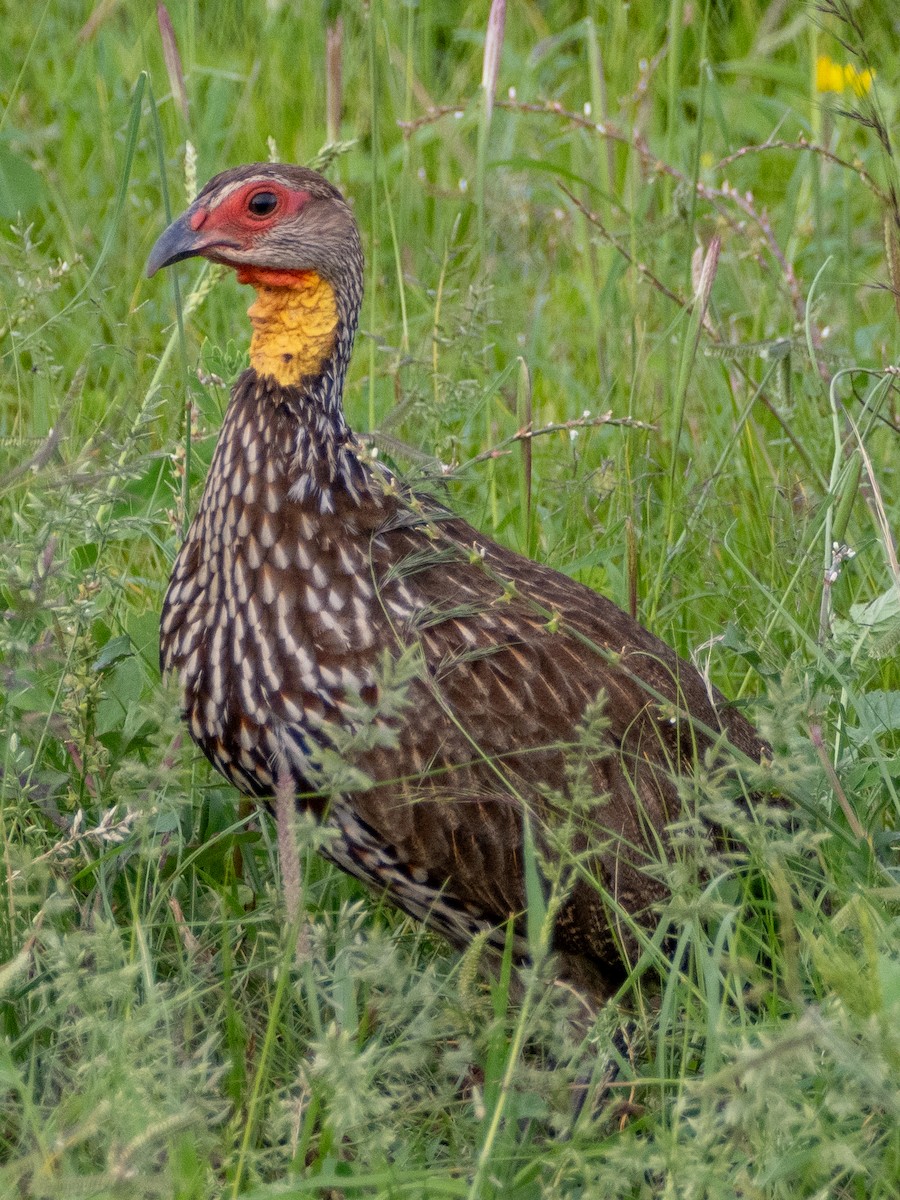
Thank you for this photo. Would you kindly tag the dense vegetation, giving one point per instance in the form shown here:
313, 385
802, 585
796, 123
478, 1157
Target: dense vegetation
717, 424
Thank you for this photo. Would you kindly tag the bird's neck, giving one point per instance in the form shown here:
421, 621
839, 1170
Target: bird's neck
296, 325
301, 345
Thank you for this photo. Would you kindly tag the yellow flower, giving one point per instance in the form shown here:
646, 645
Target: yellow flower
829, 75
860, 81
833, 77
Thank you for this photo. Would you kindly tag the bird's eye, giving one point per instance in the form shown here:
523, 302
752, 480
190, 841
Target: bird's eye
261, 204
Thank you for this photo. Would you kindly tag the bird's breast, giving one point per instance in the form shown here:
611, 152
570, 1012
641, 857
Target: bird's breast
271, 618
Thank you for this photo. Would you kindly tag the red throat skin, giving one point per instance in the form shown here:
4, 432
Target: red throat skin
269, 277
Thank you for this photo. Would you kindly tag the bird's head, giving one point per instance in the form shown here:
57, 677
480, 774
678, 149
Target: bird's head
266, 219
289, 232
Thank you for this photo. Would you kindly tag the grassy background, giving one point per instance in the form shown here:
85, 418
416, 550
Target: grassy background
160, 1036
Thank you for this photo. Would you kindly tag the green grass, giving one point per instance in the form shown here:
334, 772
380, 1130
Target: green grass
161, 1035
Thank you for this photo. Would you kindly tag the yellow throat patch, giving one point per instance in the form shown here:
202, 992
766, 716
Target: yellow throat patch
294, 326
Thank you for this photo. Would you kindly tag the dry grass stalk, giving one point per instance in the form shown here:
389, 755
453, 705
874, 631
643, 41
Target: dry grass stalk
172, 60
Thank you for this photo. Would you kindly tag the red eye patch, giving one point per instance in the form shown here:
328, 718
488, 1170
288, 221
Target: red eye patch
235, 213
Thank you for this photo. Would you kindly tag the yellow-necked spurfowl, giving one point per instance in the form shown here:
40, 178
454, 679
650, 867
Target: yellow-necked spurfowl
306, 566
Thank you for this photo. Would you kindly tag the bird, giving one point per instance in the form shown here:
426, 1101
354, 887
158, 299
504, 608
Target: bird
310, 570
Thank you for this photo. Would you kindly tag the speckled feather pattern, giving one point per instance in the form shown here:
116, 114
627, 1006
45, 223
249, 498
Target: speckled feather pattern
302, 566
305, 564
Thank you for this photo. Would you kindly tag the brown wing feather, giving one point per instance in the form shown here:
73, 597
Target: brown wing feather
514, 654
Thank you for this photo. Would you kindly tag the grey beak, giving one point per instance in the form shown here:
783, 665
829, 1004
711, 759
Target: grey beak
179, 242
